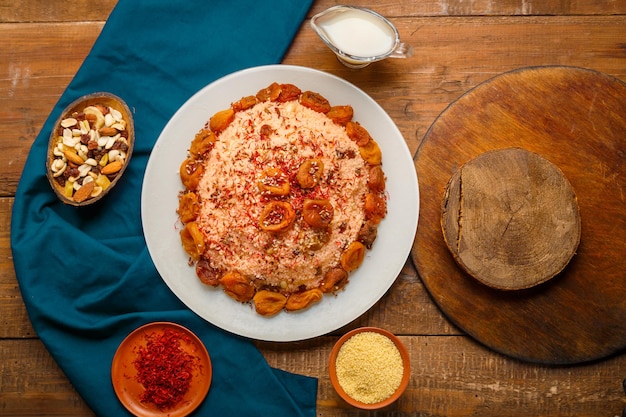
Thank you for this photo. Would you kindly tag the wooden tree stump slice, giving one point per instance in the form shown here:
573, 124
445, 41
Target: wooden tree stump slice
510, 219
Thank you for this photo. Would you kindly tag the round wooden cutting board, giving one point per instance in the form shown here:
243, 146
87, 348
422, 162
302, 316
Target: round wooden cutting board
576, 119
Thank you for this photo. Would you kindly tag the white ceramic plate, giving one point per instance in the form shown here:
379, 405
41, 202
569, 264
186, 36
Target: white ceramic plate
367, 285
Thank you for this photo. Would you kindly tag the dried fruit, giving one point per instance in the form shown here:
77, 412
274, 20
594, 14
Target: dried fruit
310, 172
318, 213
188, 207
103, 181
367, 233
334, 279
300, 300
192, 240
341, 115
277, 216
244, 103
221, 120
288, 92
190, 173
357, 133
376, 179
352, 257
371, 153
268, 303
315, 101
202, 143
375, 207
237, 286
273, 182
270, 93
207, 274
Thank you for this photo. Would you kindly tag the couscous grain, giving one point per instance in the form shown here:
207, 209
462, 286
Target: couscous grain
369, 367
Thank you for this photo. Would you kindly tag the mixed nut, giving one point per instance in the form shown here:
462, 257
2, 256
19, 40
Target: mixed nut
89, 149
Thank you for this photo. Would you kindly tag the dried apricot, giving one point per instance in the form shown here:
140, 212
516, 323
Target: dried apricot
371, 153
192, 240
220, 120
244, 103
277, 216
310, 172
190, 173
315, 101
340, 115
357, 133
301, 300
375, 207
268, 303
188, 207
273, 181
270, 93
353, 256
317, 213
202, 143
237, 286
288, 92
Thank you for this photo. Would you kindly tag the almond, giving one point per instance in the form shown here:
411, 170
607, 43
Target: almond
73, 157
107, 131
84, 192
111, 168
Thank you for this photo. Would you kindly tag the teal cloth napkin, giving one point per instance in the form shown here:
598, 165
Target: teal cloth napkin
85, 273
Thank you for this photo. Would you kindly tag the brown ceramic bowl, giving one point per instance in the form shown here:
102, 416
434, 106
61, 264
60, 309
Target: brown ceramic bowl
406, 368
105, 119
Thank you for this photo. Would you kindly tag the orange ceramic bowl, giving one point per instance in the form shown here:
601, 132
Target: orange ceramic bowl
365, 351
124, 374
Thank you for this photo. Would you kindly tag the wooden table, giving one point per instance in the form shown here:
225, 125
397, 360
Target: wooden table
457, 45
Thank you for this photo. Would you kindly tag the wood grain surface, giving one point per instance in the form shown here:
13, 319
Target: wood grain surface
579, 125
457, 45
